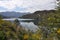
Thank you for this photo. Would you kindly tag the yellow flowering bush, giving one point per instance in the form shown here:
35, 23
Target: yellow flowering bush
26, 36
58, 31
36, 36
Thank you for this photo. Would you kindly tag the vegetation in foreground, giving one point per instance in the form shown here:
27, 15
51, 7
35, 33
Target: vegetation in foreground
13, 31
49, 29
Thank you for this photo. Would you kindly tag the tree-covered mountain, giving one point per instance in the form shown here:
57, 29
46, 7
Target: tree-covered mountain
37, 13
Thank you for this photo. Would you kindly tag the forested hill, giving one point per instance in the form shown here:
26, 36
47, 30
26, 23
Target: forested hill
41, 13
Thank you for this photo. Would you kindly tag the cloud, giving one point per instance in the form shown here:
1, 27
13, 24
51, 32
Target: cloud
9, 4
27, 5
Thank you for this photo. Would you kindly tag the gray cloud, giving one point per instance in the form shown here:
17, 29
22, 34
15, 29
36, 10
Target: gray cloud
29, 5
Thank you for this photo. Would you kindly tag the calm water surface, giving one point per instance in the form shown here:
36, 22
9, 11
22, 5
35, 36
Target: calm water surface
27, 25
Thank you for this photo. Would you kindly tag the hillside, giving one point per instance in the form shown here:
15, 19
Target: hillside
41, 13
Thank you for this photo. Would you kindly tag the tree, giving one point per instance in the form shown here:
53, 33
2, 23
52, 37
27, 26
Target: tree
2, 36
58, 4
17, 22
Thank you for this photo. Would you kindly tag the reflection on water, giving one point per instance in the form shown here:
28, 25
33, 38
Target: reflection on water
29, 25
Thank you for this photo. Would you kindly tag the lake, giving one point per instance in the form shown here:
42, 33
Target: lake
27, 25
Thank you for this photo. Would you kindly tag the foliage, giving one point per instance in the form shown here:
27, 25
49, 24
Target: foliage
8, 31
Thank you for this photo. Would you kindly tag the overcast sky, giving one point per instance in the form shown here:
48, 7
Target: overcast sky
26, 5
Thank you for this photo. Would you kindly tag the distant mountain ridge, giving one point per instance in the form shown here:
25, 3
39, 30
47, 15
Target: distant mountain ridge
12, 14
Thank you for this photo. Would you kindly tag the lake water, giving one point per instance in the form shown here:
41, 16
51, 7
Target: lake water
27, 25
